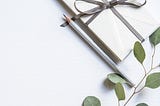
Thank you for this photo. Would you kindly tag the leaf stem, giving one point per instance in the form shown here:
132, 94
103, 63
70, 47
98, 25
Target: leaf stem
152, 61
135, 88
118, 103
130, 97
154, 51
143, 78
140, 90
152, 69
145, 71
140, 81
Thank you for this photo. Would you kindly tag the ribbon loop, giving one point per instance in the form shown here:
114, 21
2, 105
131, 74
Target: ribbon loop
133, 3
99, 7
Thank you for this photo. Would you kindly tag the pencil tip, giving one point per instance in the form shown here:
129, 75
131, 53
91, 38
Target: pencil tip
64, 24
64, 15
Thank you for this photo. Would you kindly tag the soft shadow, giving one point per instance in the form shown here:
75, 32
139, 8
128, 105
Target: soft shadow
142, 94
108, 84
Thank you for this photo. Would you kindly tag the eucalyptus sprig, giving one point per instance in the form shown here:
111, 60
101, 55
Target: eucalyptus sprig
152, 80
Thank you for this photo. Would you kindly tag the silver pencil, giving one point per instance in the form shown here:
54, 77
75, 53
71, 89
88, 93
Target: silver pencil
111, 64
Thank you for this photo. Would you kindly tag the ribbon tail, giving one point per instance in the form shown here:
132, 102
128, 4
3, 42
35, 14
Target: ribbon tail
128, 25
92, 18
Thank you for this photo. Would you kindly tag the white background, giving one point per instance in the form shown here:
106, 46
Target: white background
42, 64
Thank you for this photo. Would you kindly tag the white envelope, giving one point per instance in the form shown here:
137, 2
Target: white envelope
112, 32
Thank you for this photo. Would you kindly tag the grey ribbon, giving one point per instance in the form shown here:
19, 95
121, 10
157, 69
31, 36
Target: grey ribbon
101, 6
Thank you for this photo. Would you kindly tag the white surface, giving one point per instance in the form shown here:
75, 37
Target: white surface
42, 64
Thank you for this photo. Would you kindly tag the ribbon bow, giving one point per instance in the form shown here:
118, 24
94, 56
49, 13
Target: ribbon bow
101, 6
106, 5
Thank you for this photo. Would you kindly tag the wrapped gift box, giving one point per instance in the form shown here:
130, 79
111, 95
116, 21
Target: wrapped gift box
116, 39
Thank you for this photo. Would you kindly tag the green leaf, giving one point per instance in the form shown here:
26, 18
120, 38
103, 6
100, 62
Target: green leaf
142, 104
119, 91
155, 37
153, 81
115, 78
139, 52
91, 101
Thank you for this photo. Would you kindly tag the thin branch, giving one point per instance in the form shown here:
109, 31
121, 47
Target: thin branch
145, 71
135, 88
140, 81
118, 103
153, 68
140, 90
130, 97
154, 51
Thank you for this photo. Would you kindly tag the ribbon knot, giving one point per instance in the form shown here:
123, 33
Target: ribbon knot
108, 5
112, 3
